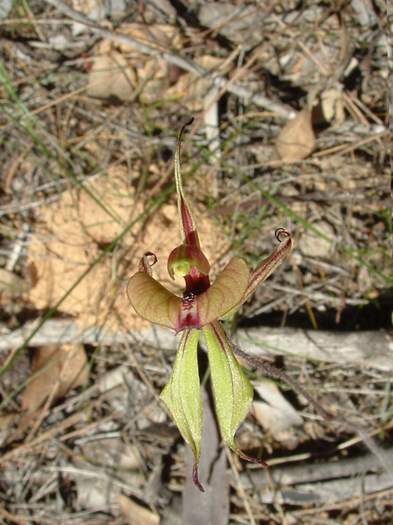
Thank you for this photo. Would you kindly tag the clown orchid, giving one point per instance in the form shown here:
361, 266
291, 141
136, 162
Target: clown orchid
199, 310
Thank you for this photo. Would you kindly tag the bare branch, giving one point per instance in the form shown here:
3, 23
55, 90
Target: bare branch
371, 349
270, 370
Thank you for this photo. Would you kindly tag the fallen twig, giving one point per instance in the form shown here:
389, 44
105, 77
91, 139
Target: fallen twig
371, 349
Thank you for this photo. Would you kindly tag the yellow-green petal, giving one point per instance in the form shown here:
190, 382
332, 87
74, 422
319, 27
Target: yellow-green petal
182, 393
152, 301
225, 293
232, 390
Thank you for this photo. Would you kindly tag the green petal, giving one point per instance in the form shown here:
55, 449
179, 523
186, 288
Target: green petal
152, 301
182, 394
225, 293
232, 390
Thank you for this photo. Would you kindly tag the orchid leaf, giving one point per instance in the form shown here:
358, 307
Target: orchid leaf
182, 393
225, 293
232, 390
152, 301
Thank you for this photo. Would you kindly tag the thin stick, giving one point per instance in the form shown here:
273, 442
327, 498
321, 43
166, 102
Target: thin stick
240, 489
270, 370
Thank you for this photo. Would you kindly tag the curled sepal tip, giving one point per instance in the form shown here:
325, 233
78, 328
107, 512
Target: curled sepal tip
281, 234
147, 262
195, 477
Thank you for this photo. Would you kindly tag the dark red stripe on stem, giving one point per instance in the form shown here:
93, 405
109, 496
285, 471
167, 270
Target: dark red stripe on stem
187, 222
268, 265
195, 477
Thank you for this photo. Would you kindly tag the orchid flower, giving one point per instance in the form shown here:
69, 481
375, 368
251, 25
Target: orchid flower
199, 311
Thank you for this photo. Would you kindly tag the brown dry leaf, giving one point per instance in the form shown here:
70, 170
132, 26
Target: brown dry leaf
111, 76
122, 71
296, 140
58, 369
70, 234
136, 514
